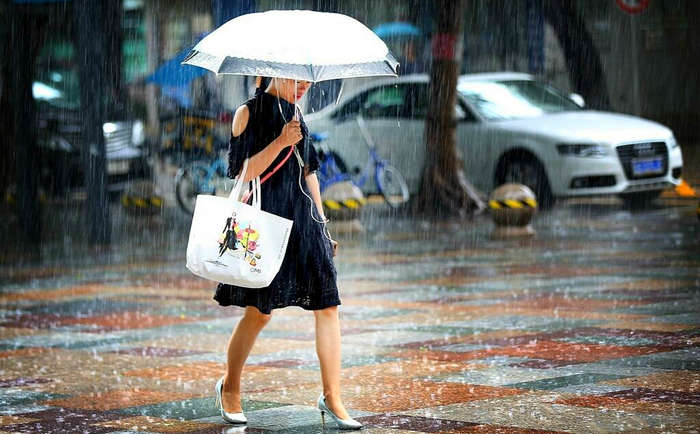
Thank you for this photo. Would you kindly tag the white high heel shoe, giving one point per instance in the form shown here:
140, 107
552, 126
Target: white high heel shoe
228, 417
344, 424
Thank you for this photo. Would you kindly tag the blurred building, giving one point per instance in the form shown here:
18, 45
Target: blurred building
647, 58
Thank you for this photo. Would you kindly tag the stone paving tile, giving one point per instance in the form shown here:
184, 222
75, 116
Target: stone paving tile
415, 423
391, 337
594, 329
59, 339
498, 376
592, 389
156, 424
114, 399
537, 412
690, 412
564, 381
681, 381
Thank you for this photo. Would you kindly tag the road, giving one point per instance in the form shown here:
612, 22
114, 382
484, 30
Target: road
592, 325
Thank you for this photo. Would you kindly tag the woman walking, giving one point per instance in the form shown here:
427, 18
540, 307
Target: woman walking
264, 128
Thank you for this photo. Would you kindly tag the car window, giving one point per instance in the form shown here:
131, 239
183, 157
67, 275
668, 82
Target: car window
350, 108
416, 104
58, 87
463, 113
513, 99
384, 101
56, 77
403, 100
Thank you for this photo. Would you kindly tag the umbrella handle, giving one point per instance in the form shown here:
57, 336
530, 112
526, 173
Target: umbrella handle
296, 117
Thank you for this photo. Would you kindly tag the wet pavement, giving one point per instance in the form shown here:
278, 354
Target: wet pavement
592, 326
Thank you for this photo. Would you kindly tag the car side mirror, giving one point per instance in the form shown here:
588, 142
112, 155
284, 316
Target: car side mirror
577, 99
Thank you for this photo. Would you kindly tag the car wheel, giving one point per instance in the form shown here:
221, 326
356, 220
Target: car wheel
530, 172
640, 199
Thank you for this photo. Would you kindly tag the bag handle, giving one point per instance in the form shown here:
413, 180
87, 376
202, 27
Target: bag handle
256, 193
238, 185
266, 177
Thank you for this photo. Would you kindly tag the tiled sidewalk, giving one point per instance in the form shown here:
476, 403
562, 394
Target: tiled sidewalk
591, 327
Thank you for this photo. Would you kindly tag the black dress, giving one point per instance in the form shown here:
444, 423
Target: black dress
307, 277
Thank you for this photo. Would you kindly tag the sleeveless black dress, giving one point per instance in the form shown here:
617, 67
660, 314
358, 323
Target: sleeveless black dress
307, 277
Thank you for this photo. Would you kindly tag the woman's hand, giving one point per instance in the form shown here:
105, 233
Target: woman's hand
291, 134
334, 243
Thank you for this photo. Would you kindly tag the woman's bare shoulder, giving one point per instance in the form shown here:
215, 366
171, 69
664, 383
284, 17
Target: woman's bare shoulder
240, 120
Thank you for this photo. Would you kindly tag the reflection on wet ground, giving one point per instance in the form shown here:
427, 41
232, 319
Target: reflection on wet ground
592, 326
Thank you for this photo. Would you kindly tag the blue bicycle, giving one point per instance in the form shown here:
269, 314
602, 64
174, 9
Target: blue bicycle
390, 183
200, 177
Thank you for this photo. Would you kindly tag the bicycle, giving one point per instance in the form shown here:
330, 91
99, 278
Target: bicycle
390, 183
200, 176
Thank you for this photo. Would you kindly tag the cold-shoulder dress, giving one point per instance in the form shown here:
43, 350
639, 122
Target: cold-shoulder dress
307, 277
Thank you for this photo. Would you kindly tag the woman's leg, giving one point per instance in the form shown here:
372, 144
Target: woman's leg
239, 346
328, 350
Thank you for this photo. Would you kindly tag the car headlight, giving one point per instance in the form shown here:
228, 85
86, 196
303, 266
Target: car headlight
109, 127
576, 150
138, 134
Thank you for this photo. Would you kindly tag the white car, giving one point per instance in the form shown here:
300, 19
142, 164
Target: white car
510, 128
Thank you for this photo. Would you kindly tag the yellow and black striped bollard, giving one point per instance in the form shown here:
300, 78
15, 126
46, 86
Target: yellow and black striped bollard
512, 207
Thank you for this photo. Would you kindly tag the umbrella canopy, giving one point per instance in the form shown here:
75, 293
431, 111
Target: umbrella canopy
301, 45
396, 29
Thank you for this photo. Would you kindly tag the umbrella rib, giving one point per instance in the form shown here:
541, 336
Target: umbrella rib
299, 71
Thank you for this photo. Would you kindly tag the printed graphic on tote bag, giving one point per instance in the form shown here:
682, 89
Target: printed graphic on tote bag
240, 240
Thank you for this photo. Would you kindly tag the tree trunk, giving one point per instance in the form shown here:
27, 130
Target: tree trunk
582, 56
444, 190
91, 29
7, 149
21, 70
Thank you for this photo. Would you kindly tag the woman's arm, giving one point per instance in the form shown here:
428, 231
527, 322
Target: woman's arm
315, 190
291, 134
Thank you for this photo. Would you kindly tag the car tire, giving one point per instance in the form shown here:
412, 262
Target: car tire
529, 172
640, 199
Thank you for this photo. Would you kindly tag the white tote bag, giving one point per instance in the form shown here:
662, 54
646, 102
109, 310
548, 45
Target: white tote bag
236, 243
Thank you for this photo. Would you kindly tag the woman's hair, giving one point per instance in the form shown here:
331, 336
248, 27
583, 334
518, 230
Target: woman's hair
264, 83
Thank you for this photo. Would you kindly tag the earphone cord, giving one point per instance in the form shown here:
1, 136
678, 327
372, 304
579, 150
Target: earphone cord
326, 233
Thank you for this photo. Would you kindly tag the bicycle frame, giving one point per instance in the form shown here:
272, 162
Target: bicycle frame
373, 161
329, 166
218, 166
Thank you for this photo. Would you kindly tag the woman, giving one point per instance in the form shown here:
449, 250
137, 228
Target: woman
263, 129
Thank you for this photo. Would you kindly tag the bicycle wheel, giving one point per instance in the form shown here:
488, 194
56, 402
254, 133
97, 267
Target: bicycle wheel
190, 181
392, 186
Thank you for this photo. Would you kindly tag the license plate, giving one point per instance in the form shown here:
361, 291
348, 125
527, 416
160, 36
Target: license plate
117, 167
647, 166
